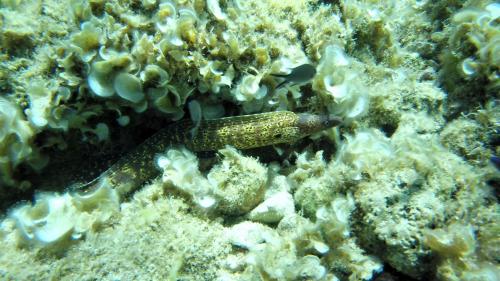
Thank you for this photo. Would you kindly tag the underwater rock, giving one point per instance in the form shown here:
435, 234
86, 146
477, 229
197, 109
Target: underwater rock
274, 208
238, 182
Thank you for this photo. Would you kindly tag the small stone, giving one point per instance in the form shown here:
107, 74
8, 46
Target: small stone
248, 235
274, 208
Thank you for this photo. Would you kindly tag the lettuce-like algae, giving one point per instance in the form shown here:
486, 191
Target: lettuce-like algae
402, 185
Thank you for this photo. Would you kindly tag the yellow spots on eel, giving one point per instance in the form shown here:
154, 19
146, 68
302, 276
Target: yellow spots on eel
242, 132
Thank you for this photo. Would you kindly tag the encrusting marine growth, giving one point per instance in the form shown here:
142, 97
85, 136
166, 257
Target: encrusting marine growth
242, 132
406, 187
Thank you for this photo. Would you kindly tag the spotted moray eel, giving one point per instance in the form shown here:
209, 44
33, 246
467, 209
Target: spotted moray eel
242, 132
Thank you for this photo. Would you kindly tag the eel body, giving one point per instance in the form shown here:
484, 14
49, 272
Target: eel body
242, 132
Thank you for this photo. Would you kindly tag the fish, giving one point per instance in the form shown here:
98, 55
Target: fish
300, 74
241, 132
196, 116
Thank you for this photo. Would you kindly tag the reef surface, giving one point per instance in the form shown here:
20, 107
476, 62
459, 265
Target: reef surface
406, 188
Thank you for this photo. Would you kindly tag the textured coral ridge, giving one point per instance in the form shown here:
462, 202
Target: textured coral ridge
84, 68
404, 188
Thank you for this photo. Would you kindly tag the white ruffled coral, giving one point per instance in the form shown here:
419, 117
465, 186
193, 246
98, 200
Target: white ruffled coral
273, 255
339, 86
214, 8
15, 137
168, 25
483, 33
234, 186
366, 150
180, 170
214, 78
274, 208
456, 246
102, 73
41, 98
250, 93
86, 42
56, 219
334, 219
249, 88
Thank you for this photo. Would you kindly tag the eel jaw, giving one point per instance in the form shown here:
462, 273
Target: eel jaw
312, 123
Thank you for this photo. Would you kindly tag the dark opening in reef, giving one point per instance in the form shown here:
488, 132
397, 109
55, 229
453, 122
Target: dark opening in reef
388, 129
16, 44
391, 274
77, 158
